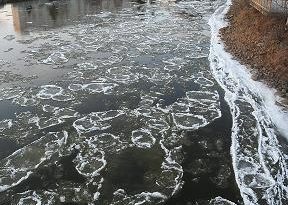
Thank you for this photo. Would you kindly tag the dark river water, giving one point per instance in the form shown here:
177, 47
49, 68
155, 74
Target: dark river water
115, 102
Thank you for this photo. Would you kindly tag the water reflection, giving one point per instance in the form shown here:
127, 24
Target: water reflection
43, 13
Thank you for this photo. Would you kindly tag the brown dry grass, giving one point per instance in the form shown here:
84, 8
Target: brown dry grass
258, 41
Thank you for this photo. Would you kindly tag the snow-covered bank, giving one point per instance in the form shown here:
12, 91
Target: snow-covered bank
258, 158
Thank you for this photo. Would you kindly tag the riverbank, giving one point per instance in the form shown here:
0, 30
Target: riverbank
257, 120
259, 42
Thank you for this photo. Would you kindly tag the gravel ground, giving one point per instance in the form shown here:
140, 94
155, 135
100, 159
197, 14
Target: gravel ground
260, 42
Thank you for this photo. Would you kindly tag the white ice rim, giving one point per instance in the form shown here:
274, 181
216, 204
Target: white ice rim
268, 99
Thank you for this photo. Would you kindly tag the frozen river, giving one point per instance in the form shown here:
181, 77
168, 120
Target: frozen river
131, 102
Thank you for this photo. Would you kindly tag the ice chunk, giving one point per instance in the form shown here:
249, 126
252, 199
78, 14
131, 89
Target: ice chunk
90, 161
121, 75
65, 113
26, 101
188, 121
49, 108
120, 197
54, 92
48, 91
18, 166
99, 87
46, 122
10, 93
106, 142
220, 201
143, 138
75, 87
5, 124
86, 66
56, 58
92, 122
204, 82
9, 37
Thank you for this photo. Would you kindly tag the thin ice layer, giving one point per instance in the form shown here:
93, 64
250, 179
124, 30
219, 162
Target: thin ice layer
18, 166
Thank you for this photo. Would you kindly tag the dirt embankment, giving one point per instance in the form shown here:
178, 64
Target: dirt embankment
260, 42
